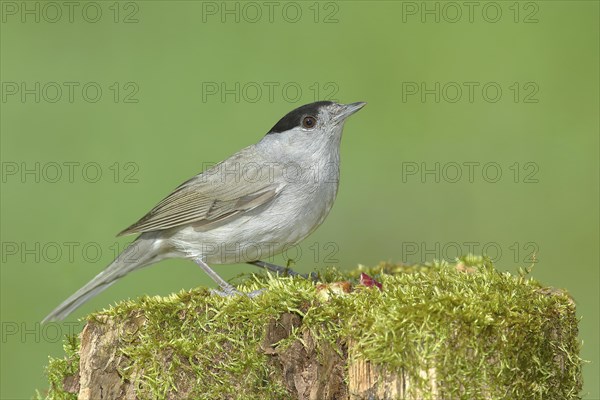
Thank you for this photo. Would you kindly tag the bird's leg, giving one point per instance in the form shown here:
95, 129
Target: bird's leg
282, 270
226, 288
274, 268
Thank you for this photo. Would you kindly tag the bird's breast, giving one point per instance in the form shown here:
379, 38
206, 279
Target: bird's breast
305, 195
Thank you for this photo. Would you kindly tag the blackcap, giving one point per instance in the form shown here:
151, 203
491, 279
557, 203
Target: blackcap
255, 204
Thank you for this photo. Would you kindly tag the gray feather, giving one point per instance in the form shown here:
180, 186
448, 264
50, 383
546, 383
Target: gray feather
140, 253
216, 194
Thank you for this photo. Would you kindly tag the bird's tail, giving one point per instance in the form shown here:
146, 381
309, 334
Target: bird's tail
140, 253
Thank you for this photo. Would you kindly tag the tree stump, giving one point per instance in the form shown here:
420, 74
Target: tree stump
435, 331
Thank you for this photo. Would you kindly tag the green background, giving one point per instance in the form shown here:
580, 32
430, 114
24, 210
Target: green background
363, 51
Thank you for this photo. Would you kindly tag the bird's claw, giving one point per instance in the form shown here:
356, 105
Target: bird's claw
230, 292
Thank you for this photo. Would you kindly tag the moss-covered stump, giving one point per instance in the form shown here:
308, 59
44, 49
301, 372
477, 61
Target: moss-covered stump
439, 331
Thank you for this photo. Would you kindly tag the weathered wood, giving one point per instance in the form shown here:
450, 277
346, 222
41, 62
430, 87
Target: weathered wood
100, 360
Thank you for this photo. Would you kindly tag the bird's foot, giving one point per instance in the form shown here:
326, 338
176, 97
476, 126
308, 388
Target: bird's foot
283, 270
231, 291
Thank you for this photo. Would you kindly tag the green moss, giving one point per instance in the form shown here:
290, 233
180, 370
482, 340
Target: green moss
60, 368
488, 334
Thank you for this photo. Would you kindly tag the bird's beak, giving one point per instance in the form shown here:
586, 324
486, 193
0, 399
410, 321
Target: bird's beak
349, 109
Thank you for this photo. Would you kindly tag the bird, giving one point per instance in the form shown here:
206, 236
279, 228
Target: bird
255, 204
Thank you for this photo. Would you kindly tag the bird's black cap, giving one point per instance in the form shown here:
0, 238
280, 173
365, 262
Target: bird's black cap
294, 117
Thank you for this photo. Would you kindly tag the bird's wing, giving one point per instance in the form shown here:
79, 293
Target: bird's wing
214, 195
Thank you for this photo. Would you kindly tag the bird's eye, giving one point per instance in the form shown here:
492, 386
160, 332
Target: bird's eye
309, 122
